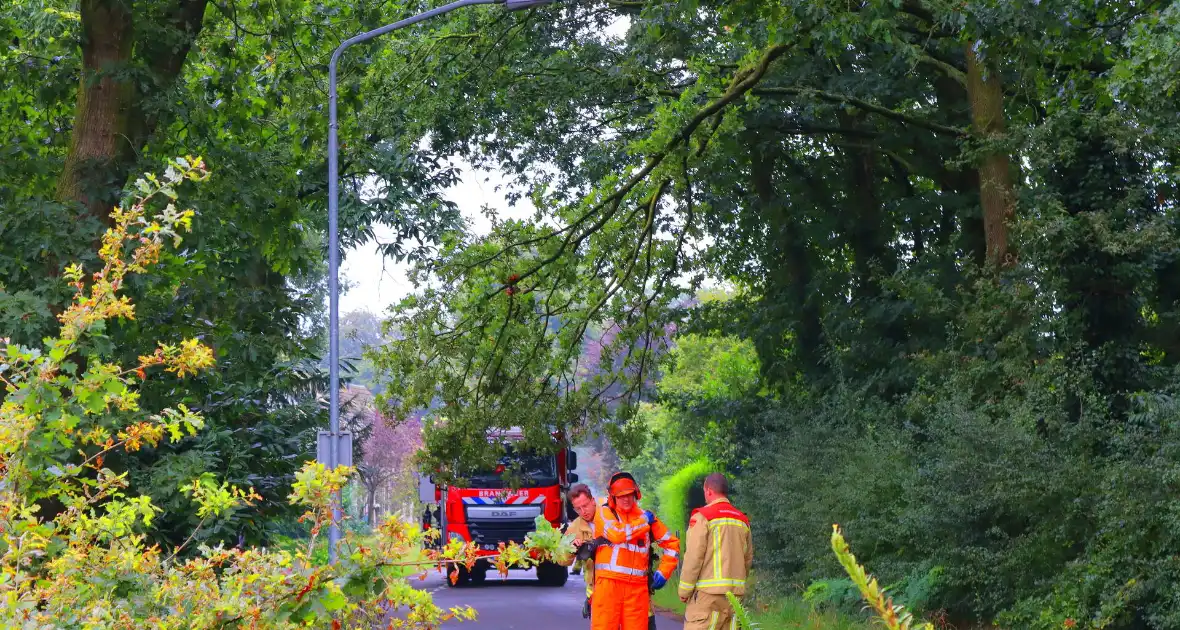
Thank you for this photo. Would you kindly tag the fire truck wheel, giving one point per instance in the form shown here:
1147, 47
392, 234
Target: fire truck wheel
480, 574
551, 574
464, 576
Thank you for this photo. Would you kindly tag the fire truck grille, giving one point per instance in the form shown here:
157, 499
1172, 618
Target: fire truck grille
492, 533
491, 525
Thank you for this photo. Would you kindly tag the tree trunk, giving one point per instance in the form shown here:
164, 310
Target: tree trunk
372, 507
995, 177
110, 124
955, 108
790, 272
865, 225
866, 230
105, 98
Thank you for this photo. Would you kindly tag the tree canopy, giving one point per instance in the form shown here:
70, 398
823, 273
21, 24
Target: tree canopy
951, 230
866, 173
99, 91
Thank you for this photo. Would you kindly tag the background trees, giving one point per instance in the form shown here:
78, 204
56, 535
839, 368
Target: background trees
950, 228
384, 451
950, 231
97, 91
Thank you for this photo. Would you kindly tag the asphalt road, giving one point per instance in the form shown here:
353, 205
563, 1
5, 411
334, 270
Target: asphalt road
517, 603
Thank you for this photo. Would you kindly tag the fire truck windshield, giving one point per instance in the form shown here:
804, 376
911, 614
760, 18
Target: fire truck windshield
534, 470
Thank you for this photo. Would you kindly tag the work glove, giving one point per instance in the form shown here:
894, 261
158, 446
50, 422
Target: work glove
658, 581
586, 609
651, 518
587, 549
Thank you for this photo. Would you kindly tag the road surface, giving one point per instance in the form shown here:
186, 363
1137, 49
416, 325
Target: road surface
518, 603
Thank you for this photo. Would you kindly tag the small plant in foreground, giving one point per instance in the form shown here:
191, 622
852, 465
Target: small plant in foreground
893, 615
86, 564
741, 615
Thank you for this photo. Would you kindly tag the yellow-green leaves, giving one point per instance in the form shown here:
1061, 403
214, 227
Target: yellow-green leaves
893, 615
88, 565
215, 500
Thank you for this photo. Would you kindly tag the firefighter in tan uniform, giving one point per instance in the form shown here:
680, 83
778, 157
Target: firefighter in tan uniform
719, 551
582, 529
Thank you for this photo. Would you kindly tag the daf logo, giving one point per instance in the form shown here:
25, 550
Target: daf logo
503, 513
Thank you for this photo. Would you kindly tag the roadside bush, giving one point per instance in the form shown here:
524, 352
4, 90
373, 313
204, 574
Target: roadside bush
676, 492
986, 504
1126, 573
819, 465
74, 545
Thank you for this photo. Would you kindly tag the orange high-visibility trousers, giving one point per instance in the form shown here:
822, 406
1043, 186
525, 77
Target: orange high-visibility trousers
619, 605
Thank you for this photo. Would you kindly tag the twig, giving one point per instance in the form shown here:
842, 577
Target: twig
187, 540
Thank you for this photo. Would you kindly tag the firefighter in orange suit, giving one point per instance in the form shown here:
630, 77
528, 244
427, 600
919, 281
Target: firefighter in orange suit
582, 529
717, 557
621, 567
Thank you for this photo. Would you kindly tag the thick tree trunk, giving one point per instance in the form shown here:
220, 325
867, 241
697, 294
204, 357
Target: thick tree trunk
789, 267
865, 227
110, 124
105, 99
866, 230
995, 176
955, 108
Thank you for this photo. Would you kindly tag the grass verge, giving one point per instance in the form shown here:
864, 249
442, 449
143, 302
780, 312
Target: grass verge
788, 613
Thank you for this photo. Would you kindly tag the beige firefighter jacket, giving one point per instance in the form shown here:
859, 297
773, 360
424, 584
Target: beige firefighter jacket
718, 554
581, 530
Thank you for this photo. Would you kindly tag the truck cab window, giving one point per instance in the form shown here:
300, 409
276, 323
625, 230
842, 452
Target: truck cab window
535, 470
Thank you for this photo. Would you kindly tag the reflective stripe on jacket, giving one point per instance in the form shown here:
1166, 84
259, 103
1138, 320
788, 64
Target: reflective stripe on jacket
627, 556
719, 551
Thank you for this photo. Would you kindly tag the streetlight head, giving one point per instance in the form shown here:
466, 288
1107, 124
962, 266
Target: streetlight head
517, 5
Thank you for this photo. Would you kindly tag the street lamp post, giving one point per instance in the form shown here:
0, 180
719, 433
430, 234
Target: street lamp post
331, 451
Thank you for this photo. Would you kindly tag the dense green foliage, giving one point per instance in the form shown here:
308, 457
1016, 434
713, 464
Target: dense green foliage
92, 91
952, 228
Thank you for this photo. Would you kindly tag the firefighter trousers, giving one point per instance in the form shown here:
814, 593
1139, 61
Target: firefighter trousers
709, 612
619, 605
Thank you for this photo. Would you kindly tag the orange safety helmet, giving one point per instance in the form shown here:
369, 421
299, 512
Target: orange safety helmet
622, 484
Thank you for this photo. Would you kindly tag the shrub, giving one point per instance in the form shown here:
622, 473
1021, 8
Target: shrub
73, 550
834, 592
675, 491
1031, 504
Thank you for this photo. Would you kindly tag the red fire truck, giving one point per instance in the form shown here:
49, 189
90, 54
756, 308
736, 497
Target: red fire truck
488, 511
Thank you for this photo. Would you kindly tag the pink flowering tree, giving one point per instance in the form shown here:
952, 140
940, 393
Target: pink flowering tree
386, 456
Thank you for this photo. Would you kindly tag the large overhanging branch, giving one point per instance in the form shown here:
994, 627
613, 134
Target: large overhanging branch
892, 114
742, 83
527, 361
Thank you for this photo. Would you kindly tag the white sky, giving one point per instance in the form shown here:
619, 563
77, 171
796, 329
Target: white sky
377, 283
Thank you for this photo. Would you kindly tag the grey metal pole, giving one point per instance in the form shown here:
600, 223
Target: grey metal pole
333, 236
